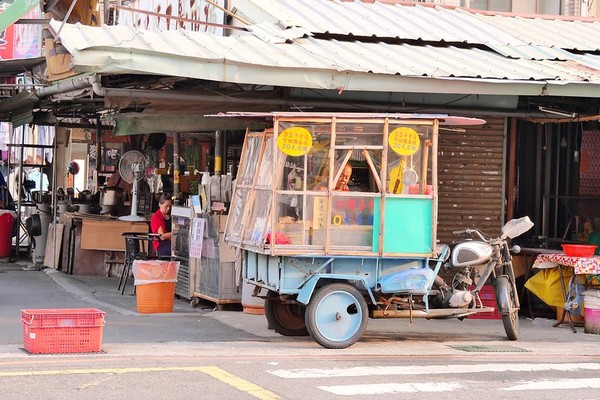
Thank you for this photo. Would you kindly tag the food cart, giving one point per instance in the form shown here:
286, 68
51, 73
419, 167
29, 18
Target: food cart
330, 255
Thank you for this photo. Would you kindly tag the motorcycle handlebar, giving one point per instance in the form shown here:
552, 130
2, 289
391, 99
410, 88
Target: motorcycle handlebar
470, 232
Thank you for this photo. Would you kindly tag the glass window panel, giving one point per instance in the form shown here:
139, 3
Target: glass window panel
479, 4
293, 173
265, 176
259, 218
354, 134
549, 7
317, 162
489, 5
236, 215
292, 228
351, 221
246, 173
289, 206
500, 5
405, 171
317, 158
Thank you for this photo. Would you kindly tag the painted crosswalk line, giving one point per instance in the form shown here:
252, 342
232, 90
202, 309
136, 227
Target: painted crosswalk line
304, 373
391, 388
546, 384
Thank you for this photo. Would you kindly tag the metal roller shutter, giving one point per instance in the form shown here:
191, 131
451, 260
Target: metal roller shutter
470, 179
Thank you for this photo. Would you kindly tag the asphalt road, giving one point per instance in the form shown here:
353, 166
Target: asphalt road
227, 354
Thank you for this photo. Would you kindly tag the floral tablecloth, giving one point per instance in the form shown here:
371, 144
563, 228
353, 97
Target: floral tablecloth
580, 265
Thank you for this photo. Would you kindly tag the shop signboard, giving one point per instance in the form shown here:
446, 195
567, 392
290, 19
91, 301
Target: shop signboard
19, 40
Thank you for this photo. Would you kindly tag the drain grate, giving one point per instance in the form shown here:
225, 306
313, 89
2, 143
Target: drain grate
490, 349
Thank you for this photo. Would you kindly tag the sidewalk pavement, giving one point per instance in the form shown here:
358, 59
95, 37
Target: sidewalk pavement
208, 329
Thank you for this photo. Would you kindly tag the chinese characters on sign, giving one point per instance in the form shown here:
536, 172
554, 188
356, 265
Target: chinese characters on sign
320, 213
404, 141
197, 237
295, 141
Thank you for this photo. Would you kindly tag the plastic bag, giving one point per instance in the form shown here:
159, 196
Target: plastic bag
154, 271
546, 286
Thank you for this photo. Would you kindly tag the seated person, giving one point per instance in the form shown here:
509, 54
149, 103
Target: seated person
594, 239
342, 182
161, 224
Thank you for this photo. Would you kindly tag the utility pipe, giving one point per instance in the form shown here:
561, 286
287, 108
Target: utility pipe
165, 95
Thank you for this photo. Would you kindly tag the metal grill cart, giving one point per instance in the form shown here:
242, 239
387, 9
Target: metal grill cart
329, 257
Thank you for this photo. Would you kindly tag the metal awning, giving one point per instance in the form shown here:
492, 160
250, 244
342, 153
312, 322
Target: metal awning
9, 68
325, 64
148, 122
18, 109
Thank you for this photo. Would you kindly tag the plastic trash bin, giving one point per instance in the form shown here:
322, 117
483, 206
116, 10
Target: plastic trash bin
155, 282
6, 232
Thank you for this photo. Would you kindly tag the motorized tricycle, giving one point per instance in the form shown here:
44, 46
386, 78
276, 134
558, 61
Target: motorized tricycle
337, 217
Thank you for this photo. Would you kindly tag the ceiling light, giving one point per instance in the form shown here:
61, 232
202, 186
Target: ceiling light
558, 112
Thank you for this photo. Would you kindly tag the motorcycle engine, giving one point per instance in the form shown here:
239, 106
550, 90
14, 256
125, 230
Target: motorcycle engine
458, 299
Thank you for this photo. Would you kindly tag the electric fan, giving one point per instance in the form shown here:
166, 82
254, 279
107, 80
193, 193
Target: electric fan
131, 167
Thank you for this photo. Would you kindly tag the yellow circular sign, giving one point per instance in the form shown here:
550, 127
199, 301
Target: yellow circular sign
295, 141
404, 141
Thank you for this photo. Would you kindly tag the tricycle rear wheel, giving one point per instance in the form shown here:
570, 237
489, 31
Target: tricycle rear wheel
287, 319
337, 315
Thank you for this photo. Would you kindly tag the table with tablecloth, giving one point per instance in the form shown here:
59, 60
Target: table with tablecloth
578, 265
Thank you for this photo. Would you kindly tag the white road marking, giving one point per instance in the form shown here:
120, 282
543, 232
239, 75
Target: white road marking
558, 384
390, 388
429, 369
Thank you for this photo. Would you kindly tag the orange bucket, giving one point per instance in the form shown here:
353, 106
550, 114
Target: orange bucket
155, 298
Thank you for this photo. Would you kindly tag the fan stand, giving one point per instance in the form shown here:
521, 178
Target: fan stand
134, 205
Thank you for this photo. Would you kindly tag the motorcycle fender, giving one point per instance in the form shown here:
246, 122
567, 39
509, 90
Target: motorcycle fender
309, 287
502, 295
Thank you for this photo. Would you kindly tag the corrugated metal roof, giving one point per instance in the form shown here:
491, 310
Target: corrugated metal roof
425, 22
318, 63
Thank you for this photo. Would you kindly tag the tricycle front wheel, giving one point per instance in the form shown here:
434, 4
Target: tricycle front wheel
506, 298
287, 319
337, 316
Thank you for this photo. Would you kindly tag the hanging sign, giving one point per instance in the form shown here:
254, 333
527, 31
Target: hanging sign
295, 141
404, 141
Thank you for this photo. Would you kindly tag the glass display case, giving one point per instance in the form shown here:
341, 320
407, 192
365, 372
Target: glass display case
337, 185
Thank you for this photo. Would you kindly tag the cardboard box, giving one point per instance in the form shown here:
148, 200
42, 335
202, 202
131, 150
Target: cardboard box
106, 235
226, 251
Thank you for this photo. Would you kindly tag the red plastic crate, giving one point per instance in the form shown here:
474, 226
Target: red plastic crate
488, 299
66, 330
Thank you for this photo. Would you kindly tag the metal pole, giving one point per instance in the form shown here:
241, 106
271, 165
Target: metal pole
98, 149
219, 137
19, 187
54, 199
176, 163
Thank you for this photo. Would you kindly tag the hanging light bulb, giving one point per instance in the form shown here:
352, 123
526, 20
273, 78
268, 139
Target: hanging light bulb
563, 142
